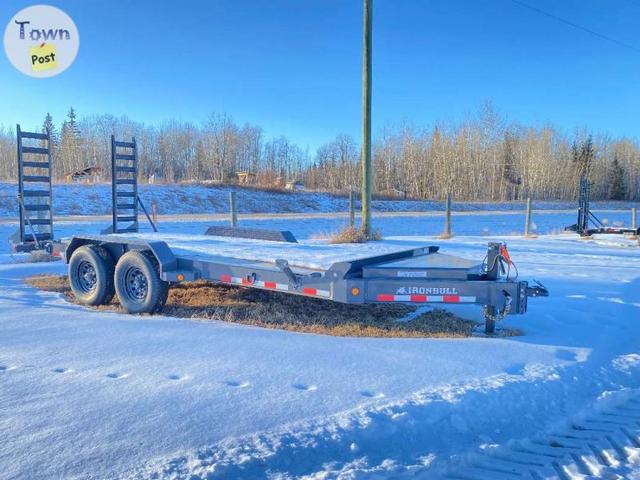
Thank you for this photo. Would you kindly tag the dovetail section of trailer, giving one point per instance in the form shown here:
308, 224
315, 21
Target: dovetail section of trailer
257, 274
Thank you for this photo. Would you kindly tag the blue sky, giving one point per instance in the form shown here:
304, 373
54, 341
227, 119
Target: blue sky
294, 66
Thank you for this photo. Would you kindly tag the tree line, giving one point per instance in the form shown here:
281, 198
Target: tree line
480, 158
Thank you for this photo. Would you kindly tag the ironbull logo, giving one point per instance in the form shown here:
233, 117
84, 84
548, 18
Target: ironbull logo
427, 291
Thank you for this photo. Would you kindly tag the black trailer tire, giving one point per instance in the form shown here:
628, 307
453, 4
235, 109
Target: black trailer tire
91, 271
138, 283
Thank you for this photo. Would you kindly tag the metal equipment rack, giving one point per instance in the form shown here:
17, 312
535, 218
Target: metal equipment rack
586, 216
34, 169
124, 188
145, 267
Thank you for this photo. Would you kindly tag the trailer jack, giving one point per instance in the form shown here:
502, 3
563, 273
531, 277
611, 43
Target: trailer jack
493, 314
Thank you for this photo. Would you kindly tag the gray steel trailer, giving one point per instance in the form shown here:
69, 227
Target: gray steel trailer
140, 270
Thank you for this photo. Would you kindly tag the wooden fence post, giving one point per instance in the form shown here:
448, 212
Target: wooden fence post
527, 222
447, 218
233, 209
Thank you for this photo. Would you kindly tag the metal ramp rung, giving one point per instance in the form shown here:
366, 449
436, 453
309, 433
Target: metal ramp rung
125, 144
35, 150
36, 164
125, 206
122, 156
35, 193
40, 236
36, 208
127, 219
126, 194
126, 181
34, 135
126, 169
36, 178
40, 221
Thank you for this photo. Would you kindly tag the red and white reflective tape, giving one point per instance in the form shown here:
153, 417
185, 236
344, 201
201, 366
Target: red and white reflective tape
255, 283
272, 286
316, 293
426, 298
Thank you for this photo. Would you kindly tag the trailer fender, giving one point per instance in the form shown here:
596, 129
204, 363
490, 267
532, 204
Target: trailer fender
119, 246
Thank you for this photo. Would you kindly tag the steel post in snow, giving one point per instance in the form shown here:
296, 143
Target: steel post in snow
527, 223
233, 209
634, 219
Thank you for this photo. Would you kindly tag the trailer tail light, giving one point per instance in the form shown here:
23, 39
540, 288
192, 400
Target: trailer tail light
180, 277
355, 291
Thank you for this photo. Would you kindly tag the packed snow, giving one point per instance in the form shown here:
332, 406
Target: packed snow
90, 394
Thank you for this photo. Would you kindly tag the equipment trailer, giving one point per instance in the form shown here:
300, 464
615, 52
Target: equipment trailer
139, 270
586, 217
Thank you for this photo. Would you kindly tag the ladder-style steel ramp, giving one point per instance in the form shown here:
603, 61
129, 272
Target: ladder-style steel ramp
34, 190
124, 186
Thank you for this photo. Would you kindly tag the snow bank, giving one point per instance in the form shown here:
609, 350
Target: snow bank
81, 199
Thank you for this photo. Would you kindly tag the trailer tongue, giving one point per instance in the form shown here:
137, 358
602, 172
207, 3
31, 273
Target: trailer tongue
139, 270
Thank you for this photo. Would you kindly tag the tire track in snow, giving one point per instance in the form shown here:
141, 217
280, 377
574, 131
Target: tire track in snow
600, 444
429, 434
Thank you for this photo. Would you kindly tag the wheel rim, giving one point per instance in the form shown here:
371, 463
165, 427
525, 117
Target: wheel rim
135, 284
87, 277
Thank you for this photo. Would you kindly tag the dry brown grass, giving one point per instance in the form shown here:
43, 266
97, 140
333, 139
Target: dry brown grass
208, 301
353, 235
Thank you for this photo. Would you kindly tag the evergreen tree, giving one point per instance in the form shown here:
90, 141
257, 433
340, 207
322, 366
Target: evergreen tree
72, 124
70, 142
48, 125
617, 186
583, 156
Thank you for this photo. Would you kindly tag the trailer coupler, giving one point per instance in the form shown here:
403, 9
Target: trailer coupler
537, 290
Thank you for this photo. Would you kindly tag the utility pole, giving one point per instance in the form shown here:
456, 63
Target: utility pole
366, 119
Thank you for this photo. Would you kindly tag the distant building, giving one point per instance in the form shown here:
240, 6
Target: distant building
88, 175
246, 178
295, 185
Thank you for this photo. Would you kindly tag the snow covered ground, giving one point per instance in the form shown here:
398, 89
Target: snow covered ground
306, 226
87, 394
82, 199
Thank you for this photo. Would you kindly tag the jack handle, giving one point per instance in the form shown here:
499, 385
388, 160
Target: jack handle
537, 290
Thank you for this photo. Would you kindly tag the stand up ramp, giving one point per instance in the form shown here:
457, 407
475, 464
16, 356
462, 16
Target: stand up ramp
124, 184
34, 190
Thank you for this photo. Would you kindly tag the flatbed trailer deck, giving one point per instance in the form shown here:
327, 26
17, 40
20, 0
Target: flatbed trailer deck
139, 268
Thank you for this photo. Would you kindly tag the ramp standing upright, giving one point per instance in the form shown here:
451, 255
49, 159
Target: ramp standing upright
34, 191
587, 217
583, 206
124, 184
